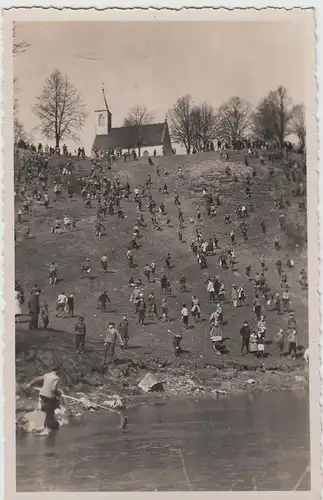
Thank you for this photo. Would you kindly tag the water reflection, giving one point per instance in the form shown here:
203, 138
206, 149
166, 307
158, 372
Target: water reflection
243, 442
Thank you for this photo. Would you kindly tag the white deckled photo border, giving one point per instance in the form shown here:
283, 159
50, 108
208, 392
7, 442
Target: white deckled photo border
150, 10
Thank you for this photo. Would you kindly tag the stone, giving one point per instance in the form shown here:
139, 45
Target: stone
251, 381
150, 383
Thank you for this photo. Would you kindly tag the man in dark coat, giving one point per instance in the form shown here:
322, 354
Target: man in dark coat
34, 309
124, 330
245, 333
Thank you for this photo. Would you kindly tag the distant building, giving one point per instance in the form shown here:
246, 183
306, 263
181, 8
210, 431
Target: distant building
155, 136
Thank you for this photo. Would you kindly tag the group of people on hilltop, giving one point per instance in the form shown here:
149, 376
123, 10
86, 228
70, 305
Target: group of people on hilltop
50, 150
106, 196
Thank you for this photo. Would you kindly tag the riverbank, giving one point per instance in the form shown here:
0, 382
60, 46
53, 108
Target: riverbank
85, 378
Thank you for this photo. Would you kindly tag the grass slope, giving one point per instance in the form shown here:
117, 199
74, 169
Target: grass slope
151, 345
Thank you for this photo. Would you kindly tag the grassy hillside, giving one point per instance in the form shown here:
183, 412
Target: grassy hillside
151, 345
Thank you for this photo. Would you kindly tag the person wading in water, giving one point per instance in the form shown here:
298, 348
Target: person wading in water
48, 397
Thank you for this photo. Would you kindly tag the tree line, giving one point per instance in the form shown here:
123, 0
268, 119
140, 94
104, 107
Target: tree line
273, 120
62, 114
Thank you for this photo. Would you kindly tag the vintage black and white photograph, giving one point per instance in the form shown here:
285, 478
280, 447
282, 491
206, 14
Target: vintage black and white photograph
160, 173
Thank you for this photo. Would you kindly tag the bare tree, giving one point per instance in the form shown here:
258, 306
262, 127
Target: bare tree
272, 119
18, 46
59, 108
204, 126
139, 117
298, 125
181, 126
233, 120
18, 131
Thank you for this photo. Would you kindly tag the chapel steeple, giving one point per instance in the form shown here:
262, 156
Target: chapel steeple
103, 117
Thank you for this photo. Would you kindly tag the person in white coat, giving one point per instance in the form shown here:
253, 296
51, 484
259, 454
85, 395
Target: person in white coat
18, 308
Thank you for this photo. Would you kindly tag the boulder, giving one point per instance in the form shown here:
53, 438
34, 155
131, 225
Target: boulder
150, 383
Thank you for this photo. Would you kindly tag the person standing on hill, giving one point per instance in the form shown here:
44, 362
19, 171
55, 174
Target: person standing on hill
292, 343
234, 296
277, 303
34, 309
102, 301
163, 283
70, 304
241, 296
153, 268
257, 306
164, 309
195, 308
147, 271
253, 343
86, 267
245, 333
18, 308
53, 274
45, 316
168, 261
279, 266
129, 258
141, 311
280, 341
80, 330
244, 232
210, 289
111, 337
152, 306
124, 330
291, 322
286, 300
61, 304
184, 314
104, 263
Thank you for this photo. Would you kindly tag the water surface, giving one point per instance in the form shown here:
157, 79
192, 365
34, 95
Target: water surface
230, 443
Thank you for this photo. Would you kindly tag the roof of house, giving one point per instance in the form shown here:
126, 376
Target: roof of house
126, 137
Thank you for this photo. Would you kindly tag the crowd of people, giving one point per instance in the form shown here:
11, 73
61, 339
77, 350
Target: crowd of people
105, 194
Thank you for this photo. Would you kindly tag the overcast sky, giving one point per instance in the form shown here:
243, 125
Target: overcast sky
154, 63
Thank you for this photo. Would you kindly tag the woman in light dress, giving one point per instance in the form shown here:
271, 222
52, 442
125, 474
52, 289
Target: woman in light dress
18, 309
253, 343
216, 336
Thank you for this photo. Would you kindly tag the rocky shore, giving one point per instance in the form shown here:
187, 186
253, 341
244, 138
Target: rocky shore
116, 386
